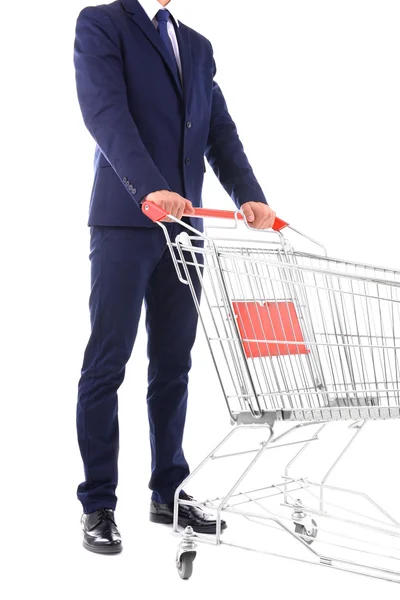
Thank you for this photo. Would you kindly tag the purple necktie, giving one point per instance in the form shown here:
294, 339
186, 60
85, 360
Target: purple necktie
163, 17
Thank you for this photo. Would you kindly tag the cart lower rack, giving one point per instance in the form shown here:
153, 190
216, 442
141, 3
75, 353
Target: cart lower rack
298, 340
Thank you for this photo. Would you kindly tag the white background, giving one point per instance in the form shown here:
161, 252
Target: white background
315, 92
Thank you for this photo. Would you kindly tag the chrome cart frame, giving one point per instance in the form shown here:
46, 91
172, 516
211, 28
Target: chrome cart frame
299, 340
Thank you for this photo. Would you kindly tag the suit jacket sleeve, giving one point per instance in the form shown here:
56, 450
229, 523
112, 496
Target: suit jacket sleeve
103, 100
226, 155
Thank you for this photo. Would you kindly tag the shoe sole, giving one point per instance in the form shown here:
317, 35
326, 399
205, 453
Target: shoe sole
105, 550
164, 520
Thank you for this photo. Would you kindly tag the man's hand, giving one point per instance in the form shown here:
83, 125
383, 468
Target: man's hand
172, 203
258, 215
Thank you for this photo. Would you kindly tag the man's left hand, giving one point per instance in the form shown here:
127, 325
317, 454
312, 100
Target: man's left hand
258, 215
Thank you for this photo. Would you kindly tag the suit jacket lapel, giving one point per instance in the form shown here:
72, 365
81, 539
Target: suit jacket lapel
141, 19
185, 50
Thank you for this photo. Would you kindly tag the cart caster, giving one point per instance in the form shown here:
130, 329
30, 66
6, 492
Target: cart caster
308, 534
186, 554
185, 565
304, 525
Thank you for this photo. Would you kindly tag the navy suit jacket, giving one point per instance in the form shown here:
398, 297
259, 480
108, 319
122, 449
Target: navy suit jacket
150, 134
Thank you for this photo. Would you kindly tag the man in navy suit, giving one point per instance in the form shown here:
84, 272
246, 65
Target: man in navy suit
147, 93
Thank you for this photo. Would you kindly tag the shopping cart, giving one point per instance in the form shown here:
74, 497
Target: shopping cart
299, 339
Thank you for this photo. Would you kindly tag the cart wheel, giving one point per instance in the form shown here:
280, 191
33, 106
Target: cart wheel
310, 536
185, 565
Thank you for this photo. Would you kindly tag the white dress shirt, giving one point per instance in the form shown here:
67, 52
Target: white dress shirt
151, 8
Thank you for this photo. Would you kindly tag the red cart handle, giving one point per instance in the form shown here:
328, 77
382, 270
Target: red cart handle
156, 213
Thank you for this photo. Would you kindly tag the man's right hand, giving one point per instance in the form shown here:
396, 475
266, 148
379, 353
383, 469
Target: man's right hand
172, 203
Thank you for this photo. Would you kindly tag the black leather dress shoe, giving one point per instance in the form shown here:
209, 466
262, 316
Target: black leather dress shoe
100, 532
200, 521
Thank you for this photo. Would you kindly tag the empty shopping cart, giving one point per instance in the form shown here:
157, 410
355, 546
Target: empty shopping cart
299, 340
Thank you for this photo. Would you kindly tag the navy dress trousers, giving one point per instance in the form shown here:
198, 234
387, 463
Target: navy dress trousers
152, 132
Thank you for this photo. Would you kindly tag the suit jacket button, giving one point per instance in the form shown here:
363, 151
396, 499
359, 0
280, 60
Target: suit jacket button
187, 161
130, 187
133, 190
189, 124
124, 180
